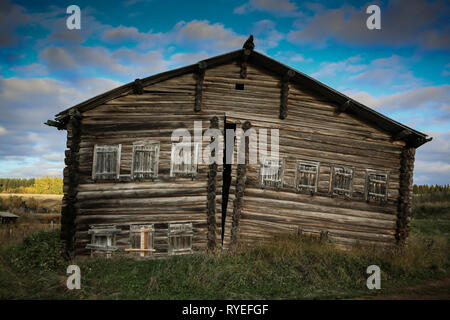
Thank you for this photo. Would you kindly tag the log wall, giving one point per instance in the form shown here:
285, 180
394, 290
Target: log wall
152, 115
313, 130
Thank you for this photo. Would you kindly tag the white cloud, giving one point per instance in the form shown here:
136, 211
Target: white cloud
275, 7
404, 23
426, 98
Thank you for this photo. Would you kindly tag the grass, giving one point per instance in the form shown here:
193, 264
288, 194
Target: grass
289, 268
30, 203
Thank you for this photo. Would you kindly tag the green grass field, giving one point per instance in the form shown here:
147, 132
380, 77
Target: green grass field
289, 268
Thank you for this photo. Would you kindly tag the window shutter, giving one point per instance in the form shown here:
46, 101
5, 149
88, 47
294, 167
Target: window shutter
342, 180
141, 239
376, 186
180, 238
145, 159
184, 159
307, 175
271, 172
106, 161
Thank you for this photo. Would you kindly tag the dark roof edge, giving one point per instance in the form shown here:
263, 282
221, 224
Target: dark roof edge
412, 137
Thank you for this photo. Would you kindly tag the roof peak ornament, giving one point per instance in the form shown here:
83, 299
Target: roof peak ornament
249, 45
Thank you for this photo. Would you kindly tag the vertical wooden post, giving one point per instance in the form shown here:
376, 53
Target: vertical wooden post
199, 86
240, 188
405, 196
285, 94
211, 194
245, 55
68, 210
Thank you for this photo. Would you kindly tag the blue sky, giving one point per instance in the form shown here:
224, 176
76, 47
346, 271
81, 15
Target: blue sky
402, 70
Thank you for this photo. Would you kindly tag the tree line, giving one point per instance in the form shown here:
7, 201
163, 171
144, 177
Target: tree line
45, 185
424, 189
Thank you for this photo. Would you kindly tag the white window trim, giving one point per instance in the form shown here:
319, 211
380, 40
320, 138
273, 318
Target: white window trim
95, 175
279, 182
194, 158
382, 197
340, 191
297, 176
186, 231
149, 143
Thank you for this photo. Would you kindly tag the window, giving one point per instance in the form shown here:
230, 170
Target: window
145, 159
141, 238
376, 186
180, 238
184, 159
342, 181
106, 163
239, 86
103, 239
271, 172
307, 175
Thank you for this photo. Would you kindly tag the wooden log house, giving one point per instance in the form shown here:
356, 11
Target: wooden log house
344, 171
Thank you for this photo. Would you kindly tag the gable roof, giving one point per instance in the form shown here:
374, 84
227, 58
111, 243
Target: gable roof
399, 131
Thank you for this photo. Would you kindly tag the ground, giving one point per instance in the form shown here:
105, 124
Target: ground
289, 268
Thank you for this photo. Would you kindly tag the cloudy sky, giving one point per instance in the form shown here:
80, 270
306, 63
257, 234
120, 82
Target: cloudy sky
402, 70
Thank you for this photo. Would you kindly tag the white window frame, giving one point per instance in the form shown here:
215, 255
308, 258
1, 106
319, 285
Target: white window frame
298, 171
190, 170
373, 196
152, 147
349, 173
265, 173
180, 230
146, 242
102, 175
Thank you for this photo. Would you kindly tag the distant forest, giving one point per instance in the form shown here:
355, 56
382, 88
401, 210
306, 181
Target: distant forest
422, 189
44, 185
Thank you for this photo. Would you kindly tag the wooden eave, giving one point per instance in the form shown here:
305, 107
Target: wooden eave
398, 131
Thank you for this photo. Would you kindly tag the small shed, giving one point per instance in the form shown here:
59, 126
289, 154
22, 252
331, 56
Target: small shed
6, 217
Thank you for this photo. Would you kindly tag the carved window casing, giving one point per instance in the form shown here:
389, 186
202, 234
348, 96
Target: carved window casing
342, 183
271, 172
103, 238
180, 238
376, 186
184, 159
307, 176
145, 160
106, 163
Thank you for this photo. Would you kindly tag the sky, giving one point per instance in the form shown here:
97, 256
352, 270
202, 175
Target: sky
401, 70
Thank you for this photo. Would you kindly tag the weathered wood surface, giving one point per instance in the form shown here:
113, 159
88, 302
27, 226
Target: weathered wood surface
152, 114
311, 128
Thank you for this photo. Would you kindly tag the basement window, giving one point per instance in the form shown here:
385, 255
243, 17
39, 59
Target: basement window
342, 181
271, 172
103, 239
239, 86
142, 241
307, 175
106, 163
376, 186
180, 238
184, 159
145, 159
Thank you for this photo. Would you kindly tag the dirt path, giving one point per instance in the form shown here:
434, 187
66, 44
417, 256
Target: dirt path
430, 290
